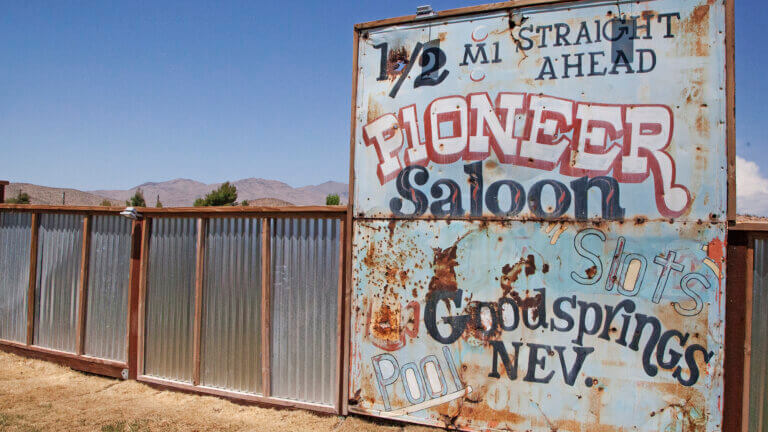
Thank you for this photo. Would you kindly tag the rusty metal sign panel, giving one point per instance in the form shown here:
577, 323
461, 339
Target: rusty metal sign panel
539, 197
539, 326
595, 110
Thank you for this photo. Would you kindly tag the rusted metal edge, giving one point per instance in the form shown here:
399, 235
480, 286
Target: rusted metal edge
380, 414
348, 235
471, 10
730, 107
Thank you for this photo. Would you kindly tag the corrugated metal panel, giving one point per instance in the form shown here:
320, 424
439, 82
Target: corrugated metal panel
305, 263
15, 236
758, 369
58, 278
231, 335
170, 295
108, 282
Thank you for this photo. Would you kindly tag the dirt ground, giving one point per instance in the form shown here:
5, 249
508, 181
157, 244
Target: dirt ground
40, 396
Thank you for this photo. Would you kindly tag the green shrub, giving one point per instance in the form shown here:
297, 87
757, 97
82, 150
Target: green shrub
21, 198
226, 194
137, 200
332, 199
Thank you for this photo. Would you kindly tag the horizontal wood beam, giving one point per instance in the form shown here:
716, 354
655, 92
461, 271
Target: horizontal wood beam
339, 211
82, 363
239, 397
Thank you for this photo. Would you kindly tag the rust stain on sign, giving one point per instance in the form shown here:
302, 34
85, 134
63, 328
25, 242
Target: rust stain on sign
444, 264
397, 60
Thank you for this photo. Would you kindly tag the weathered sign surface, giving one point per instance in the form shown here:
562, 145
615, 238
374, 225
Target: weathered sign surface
539, 198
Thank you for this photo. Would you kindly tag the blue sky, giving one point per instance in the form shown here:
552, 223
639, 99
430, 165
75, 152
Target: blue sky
113, 94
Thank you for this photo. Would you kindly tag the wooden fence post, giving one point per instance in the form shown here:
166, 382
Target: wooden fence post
738, 286
3, 184
198, 323
82, 292
144, 269
342, 318
134, 283
32, 278
266, 315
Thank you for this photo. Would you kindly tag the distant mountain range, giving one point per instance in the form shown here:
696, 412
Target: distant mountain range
183, 192
56, 196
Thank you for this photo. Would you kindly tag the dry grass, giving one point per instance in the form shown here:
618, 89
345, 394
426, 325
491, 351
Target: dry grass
41, 396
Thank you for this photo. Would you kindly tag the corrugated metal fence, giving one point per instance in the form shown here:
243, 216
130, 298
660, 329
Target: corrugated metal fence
304, 308
245, 305
108, 286
758, 369
170, 300
58, 278
237, 302
15, 237
232, 293
64, 285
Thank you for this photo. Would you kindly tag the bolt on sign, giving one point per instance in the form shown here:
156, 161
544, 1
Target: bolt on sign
539, 199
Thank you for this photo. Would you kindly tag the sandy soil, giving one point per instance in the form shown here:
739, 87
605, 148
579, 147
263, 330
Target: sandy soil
41, 396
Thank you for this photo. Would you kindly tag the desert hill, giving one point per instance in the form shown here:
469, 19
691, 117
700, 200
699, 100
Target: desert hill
53, 196
183, 192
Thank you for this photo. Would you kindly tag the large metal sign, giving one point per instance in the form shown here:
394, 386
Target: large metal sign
539, 200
